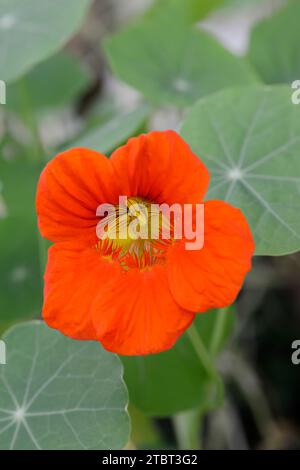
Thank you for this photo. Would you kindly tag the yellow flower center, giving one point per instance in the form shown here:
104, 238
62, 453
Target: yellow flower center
132, 233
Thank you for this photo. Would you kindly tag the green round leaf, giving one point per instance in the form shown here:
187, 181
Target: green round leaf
274, 46
175, 380
171, 63
55, 82
115, 131
250, 140
57, 393
31, 31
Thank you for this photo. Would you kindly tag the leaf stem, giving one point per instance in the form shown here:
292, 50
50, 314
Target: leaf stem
30, 120
207, 363
187, 427
38, 152
201, 351
218, 331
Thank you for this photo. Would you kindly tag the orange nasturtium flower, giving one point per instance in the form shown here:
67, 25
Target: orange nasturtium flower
135, 297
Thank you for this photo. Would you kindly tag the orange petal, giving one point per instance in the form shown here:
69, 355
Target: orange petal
160, 167
136, 314
70, 189
213, 276
72, 281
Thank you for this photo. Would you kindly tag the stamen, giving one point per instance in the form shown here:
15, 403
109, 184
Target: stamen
124, 246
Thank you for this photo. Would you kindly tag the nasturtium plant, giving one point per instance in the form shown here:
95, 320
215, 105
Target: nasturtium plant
20, 273
274, 46
32, 31
57, 393
36, 91
176, 380
106, 137
173, 63
249, 138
